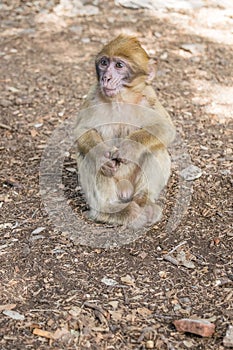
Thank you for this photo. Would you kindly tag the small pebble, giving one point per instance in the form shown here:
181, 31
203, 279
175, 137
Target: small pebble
150, 344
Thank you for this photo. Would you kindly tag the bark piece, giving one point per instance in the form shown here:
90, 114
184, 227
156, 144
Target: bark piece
196, 326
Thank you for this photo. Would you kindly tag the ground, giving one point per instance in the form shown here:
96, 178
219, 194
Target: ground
73, 296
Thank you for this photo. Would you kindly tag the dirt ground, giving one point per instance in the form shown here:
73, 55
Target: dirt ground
72, 296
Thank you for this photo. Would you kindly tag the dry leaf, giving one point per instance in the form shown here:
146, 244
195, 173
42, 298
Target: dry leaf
61, 332
128, 280
143, 311
116, 315
114, 304
33, 133
184, 260
75, 311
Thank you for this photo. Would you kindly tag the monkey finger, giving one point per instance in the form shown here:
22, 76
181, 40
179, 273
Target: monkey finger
109, 168
123, 160
107, 154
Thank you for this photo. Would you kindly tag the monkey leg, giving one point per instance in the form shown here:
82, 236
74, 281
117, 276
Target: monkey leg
149, 180
123, 201
155, 172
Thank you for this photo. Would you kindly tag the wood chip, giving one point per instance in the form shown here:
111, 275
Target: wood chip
42, 333
7, 307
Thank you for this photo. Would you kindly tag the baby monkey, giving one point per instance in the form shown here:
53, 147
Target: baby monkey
122, 137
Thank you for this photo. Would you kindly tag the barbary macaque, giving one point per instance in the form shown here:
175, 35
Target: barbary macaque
122, 136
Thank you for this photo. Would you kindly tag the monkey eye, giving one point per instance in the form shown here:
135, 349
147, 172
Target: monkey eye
104, 61
119, 64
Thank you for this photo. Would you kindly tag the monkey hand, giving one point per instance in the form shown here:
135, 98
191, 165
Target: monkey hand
110, 162
109, 167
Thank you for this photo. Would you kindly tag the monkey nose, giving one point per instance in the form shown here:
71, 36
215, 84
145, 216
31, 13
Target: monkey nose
107, 78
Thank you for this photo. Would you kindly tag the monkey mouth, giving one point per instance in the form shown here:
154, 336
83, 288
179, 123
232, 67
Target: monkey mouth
110, 92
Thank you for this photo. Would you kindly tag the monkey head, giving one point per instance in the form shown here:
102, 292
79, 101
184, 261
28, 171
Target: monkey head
119, 63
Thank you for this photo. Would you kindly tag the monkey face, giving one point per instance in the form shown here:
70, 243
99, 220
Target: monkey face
113, 74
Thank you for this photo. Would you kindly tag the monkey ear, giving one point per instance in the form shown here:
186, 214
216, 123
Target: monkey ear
151, 70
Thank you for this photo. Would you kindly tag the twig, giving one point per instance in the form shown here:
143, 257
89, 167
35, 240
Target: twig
169, 345
143, 333
163, 316
4, 126
125, 296
98, 311
176, 247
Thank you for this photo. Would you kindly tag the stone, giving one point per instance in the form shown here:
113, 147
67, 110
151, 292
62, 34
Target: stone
228, 339
196, 326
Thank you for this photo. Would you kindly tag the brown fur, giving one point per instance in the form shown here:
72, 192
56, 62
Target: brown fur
122, 142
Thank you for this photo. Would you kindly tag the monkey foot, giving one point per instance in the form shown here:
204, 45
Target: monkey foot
148, 215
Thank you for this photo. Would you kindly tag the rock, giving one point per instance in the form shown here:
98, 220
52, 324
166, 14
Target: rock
150, 344
38, 230
109, 281
14, 314
50, 18
76, 29
72, 8
191, 173
196, 326
160, 4
228, 339
195, 49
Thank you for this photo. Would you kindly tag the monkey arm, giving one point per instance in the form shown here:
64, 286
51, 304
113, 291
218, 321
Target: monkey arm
146, 139
91, 145
88, 141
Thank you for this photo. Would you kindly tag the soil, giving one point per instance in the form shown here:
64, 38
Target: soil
70, 295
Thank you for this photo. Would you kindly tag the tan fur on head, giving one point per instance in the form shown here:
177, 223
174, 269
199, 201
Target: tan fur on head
127, 46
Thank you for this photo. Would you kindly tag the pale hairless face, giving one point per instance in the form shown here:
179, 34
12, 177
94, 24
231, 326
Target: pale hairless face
113, 74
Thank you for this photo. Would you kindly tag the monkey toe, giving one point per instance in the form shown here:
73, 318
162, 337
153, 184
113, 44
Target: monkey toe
153, 213
125, 190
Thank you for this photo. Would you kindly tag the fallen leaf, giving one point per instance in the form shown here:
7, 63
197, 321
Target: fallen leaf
33, 133
184, 260
143, 311
114, 304
75, 311
128, 280
116, 315
61, 332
